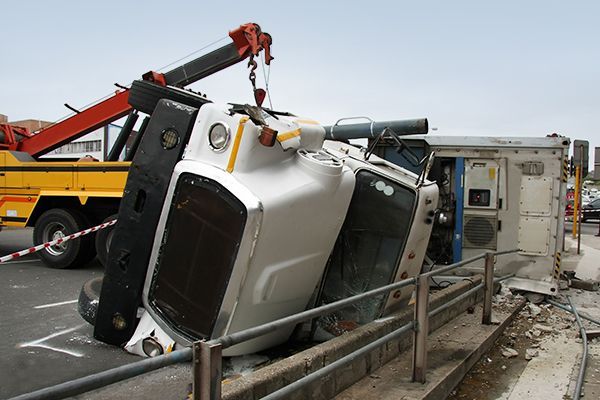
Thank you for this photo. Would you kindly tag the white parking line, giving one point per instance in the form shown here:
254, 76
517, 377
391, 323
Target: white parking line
58, 349
39, 342
61, 303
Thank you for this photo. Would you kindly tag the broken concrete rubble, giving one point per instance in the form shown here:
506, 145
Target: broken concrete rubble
509, 353
530, 353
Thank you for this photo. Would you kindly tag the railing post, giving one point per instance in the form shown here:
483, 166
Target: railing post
207, 364
419, 366
488, 288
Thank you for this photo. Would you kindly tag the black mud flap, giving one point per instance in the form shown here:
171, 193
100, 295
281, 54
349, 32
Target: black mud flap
160, 149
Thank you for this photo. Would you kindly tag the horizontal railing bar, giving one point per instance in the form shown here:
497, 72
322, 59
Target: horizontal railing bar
108, 377
260, 330
447, 268
286, 391
503, 278
450, 267
455, 300
503, 252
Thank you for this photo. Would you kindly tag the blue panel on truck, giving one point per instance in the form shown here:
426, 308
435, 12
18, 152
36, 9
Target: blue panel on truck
458, 225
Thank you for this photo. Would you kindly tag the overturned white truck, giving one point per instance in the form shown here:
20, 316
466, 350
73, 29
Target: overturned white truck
234, 216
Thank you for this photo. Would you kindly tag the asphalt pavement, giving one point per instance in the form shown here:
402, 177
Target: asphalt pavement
44, 340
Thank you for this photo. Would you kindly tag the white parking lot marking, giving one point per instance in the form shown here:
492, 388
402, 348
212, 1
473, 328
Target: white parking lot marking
61, 303
40, 342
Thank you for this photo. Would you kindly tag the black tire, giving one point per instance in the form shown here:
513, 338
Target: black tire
103, 240
57, 223
89, 297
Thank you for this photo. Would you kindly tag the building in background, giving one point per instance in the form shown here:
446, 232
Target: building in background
32, 124
96, 144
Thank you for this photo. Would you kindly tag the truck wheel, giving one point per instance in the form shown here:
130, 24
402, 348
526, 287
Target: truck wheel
87, 305
57, 223
103, 239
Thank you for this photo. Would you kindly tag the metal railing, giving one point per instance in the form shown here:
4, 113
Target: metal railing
206, 355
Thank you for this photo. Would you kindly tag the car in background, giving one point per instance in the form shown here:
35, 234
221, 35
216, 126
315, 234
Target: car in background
569, 209
590, 211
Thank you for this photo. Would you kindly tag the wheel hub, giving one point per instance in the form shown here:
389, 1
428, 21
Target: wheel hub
54, 232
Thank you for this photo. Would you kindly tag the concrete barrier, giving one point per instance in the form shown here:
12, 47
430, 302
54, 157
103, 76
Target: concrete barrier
279, 374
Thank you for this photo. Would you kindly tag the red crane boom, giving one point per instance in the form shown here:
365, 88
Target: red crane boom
247, 41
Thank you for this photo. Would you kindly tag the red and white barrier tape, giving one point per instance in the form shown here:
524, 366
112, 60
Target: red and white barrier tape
55, 242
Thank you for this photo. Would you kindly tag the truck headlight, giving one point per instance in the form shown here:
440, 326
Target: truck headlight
151, 347
218, 136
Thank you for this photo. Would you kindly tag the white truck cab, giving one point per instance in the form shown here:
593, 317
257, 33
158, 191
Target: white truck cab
262, 218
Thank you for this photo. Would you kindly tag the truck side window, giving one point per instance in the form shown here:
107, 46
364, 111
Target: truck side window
368, 249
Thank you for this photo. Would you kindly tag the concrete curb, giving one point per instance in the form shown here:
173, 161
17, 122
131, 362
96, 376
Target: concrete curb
277, 375
441, 389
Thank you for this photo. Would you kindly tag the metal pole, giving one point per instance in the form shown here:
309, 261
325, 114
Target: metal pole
207, 370
576, 203
196, 371
580, 207
287, 391
419, 369
488, 288
566, 308
121, 140
108, 377
260, 330
582, 366
137, 140
373, 129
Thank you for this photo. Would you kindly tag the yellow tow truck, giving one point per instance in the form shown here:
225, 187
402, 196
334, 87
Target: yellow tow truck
60, 198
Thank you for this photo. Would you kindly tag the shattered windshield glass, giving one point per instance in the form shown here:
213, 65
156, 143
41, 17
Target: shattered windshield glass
367, 250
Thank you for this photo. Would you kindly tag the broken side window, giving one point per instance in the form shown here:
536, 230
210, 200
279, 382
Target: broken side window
367, 251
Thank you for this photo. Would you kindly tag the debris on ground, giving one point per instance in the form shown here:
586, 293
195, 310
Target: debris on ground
535, 332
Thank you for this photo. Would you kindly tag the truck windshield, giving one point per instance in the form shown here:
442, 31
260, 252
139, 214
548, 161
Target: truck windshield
368, 249
197, 254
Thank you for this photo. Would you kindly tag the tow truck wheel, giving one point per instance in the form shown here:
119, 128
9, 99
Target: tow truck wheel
103, 239
58, 223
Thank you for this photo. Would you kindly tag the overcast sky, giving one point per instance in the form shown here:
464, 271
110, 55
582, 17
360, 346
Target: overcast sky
505, 68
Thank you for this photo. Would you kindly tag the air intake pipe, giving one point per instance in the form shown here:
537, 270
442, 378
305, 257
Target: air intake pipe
372, 129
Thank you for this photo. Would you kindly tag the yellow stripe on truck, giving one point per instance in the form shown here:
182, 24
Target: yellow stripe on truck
282, 137
236, 144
